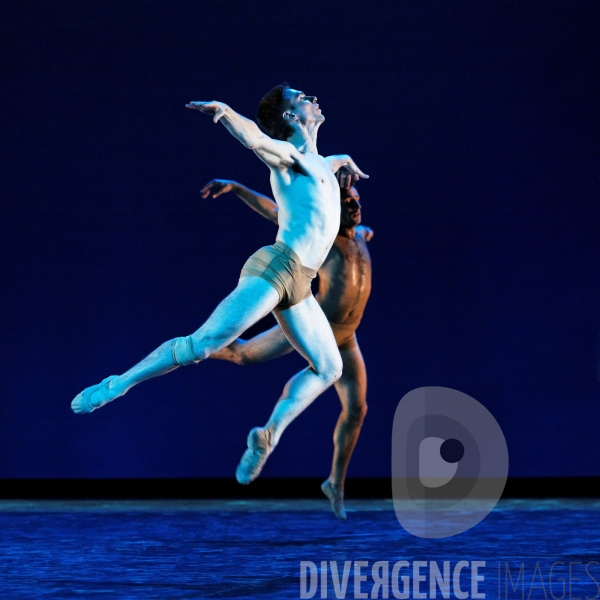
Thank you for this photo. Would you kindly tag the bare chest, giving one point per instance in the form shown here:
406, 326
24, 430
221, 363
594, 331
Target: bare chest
345, 280
310, 188
351, 253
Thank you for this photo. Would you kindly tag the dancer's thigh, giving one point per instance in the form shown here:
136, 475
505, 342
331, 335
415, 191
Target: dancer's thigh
252, 299
308, 330
352, 385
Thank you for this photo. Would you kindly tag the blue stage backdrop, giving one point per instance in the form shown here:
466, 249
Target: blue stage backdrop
478, 124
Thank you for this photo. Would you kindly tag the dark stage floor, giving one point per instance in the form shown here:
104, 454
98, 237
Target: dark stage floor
253, 549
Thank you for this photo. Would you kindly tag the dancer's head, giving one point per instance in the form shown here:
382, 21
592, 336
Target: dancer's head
350, 215
283, 109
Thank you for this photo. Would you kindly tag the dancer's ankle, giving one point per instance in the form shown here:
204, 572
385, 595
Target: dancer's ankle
116, 387
271, 431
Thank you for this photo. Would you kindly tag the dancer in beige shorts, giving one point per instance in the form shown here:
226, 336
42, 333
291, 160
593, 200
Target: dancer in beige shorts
307, 194
344, 288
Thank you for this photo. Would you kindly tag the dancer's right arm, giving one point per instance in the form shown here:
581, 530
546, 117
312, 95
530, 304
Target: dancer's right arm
275, 153
261, 204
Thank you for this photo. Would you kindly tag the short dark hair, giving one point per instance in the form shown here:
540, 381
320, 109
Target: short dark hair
270, 113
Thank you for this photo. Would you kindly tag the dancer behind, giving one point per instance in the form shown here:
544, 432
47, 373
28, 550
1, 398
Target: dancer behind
344, 288
276, 278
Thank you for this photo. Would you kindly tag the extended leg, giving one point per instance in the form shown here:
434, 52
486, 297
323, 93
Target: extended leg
352, 391
252, 299
307, 328
264, 347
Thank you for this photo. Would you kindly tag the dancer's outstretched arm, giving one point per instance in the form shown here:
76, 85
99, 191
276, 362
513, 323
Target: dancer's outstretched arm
263, 205
275, 153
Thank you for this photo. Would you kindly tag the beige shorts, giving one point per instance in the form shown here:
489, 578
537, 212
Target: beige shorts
280, 266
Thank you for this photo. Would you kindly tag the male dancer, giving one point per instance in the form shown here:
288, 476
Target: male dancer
344, 288
276, 278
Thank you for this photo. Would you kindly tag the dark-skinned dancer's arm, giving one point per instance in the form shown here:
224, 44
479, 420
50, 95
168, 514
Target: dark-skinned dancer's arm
264, 206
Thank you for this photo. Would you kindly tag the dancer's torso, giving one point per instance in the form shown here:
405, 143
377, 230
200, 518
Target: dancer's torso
308, 198
345, 280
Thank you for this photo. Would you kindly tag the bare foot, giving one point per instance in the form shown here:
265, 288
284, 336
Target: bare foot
336, 497
94, 397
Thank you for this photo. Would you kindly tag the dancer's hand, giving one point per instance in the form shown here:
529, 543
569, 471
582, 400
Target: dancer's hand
345, 178
349, 173
216, 187
214, 108
368, 233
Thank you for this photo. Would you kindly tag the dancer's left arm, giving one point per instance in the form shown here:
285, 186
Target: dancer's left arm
345, 168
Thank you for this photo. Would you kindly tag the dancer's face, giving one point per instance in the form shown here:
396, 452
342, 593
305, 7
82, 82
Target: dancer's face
302, 107
350, 216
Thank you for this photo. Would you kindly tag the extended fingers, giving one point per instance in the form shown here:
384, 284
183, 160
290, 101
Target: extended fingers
356, 171
203, 106
206, 189
214, 189
341, 177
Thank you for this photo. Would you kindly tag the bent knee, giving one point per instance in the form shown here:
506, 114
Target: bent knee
330, 371
355, 415
359, 412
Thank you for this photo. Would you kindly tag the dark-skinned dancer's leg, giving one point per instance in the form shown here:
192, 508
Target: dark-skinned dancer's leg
263, 347
351, 389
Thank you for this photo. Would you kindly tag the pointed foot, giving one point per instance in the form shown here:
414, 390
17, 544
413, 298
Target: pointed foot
336, 497
93, 397
255, 457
